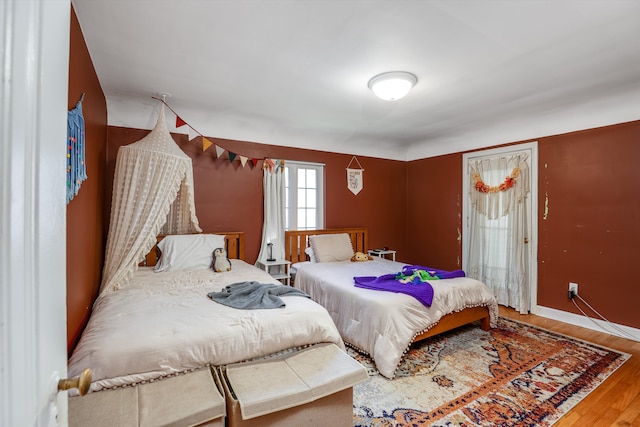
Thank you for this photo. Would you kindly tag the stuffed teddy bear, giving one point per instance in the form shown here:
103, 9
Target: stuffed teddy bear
361, 256
220, 261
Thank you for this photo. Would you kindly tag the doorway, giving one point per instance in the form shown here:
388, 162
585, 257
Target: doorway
33, 142
499, 210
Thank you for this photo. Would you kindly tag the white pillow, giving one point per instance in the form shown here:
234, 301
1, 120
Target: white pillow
331, 247
312, 255
187, 251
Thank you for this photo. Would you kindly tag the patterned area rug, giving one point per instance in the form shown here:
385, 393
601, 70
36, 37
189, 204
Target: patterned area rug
513, 375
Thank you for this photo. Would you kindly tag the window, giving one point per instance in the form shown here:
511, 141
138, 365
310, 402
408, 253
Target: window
304, 186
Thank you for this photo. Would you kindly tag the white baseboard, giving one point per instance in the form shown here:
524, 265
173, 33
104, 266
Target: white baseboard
580, 320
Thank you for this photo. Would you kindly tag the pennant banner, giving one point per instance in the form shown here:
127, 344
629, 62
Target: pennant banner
206, 144
219, 151
354, 180
192, 134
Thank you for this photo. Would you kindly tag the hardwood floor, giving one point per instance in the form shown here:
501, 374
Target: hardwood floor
617, 401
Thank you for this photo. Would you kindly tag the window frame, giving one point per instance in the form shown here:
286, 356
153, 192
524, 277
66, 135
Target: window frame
291, 188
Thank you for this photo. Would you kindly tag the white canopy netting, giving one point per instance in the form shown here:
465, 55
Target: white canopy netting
152, 194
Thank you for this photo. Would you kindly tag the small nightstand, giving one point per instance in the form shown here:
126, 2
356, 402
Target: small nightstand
281, 272
382, 253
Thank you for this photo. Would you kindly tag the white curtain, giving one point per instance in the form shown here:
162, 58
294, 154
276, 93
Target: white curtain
274, 210
152, 194
499, 188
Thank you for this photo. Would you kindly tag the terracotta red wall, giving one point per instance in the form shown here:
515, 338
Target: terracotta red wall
228, 197
434, 211
85, 235
589, 235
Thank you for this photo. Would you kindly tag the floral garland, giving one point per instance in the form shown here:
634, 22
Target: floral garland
507, 184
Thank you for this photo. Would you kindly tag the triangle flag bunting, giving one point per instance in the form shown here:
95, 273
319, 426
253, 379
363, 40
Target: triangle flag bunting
179, 122
219, 151
206, 144
192, 134
267, 163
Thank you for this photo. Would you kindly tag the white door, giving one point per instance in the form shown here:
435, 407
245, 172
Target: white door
528, 226
34, 40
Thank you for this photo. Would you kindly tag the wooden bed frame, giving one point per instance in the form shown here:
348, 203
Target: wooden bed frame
297, 241
234, 242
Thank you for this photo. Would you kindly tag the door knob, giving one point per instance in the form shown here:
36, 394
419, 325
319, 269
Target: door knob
81, 382
526, 240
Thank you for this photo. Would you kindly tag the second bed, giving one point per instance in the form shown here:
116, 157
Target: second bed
379, 323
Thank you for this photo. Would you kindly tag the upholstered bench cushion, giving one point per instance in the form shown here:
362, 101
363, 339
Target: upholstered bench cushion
267, 386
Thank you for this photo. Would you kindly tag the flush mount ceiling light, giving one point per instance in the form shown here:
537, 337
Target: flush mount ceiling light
392, 85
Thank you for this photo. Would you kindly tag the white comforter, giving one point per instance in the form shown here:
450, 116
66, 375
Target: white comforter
381, 323
163, 323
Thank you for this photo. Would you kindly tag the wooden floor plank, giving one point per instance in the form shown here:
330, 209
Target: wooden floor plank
570, 419
631, 413
627, 389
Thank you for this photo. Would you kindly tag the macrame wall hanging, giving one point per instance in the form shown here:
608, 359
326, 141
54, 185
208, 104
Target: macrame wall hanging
76, 165
355, 177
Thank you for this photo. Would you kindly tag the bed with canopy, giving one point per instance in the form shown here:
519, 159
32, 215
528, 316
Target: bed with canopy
151, 325
153, 194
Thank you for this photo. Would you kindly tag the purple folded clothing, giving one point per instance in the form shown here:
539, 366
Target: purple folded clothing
420, 290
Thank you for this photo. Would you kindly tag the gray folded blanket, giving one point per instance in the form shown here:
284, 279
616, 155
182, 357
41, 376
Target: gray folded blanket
252, 295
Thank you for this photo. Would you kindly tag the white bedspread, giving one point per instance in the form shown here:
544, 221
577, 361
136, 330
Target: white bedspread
381, 323
163, 323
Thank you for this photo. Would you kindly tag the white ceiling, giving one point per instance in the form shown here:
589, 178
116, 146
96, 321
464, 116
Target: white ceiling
295, 72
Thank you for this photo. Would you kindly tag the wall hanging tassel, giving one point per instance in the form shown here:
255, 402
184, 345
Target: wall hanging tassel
76, 165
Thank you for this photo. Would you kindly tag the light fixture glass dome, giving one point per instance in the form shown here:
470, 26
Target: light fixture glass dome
392, 85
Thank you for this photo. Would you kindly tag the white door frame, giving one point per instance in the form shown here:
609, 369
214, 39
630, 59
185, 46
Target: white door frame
34, 55
532, 261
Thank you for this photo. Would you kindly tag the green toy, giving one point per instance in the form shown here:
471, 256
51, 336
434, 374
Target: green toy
418, 276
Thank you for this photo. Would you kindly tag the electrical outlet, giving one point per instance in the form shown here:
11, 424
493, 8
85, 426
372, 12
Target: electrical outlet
573, 287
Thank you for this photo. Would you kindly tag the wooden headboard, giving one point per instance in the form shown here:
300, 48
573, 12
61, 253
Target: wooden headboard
234, 242
296, 241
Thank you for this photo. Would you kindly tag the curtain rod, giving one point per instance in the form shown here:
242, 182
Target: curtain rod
305, 163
